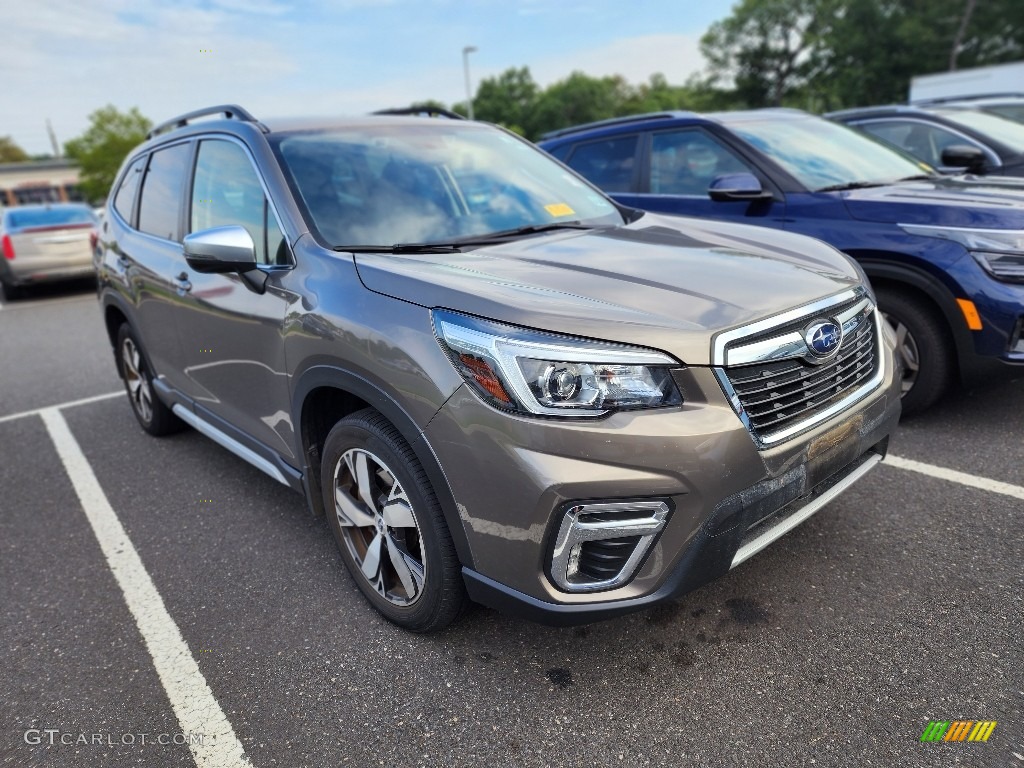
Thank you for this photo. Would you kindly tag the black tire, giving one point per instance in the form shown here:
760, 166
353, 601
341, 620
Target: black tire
921, 334
153, 416
13, 292
428, 594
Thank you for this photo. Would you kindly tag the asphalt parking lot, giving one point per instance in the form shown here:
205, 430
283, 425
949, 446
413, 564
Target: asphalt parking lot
237, 628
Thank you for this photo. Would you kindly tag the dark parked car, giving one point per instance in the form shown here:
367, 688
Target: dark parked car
949, 137
497, 383
45, 243
1009, 105
945, 255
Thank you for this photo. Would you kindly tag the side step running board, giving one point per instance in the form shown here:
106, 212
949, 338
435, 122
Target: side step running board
228, 442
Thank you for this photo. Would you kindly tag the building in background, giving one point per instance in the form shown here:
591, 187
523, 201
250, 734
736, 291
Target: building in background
43, 181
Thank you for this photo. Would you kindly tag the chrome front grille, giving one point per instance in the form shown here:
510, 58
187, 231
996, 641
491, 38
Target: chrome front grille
780, 387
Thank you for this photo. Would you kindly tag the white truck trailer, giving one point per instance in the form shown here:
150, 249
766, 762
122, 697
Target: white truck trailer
998, 80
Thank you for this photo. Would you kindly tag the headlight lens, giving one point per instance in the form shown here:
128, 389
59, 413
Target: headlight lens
545, 374
1003, 266
1000, 252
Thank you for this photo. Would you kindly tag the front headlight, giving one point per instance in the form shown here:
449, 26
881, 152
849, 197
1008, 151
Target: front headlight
517, 369
1000, 252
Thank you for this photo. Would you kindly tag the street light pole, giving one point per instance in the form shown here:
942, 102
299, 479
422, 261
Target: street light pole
465, 68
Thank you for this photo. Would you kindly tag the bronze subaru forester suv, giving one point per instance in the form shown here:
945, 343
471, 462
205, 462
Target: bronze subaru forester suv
498, 384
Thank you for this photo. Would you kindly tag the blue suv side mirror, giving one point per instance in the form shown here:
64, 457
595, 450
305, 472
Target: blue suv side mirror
737, 186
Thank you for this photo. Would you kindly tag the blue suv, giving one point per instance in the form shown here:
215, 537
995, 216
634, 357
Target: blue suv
945, 255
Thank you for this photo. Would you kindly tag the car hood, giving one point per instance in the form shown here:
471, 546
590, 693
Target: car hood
665, 283
947, 201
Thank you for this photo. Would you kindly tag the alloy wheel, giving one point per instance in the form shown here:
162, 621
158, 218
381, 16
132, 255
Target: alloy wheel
906, 349
136, 380
379, 526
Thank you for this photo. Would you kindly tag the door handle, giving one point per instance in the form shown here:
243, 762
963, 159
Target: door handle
183, 282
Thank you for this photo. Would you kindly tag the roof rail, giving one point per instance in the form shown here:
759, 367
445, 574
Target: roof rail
611, 121
973, 97
425, 110
231, 111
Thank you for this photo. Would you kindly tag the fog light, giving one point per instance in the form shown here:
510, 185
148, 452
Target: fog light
601, 545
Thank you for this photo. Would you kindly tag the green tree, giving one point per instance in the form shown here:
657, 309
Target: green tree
508, 99
11, 152
829, 54
766, 50
577, 99
100, 151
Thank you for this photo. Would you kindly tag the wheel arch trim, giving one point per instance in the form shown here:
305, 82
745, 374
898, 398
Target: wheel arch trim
933, 289
350, 383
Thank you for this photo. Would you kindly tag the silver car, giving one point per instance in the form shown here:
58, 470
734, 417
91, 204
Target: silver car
42, 243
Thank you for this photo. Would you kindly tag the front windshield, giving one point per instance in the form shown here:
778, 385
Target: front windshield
820, 153
999, 128
402, 182
1009, 111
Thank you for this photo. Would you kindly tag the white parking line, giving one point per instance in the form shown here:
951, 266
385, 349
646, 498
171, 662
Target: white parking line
972, 481
61, 406
10, 306
194, 703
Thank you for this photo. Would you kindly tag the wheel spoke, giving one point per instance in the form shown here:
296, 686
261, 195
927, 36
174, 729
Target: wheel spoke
408, 572
901, 335
357, 466
145, 400
134, 385
910, 361
371, 506
371, 563
349, 512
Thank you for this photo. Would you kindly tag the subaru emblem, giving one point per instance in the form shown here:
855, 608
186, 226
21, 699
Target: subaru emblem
823, 339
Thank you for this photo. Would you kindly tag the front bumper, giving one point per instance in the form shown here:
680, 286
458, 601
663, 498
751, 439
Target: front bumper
739, 527
512, 479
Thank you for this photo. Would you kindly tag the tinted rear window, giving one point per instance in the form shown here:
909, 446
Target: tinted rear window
160, 206
25, 218
125, 198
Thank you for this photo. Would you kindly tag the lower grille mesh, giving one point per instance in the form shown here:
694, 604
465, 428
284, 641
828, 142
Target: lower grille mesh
605, 558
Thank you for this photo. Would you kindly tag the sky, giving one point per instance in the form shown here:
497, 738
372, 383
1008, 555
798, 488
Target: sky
63, 59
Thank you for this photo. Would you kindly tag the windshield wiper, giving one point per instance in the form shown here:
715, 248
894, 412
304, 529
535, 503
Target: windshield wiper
919, 177
851, 185
455, 246
401, 248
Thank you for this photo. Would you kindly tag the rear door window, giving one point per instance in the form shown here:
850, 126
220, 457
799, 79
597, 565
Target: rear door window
124, 200
162, 188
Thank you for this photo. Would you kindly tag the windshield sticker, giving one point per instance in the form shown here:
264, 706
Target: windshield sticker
559, 209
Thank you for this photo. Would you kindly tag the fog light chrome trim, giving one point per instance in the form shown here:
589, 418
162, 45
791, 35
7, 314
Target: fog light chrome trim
583, 523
